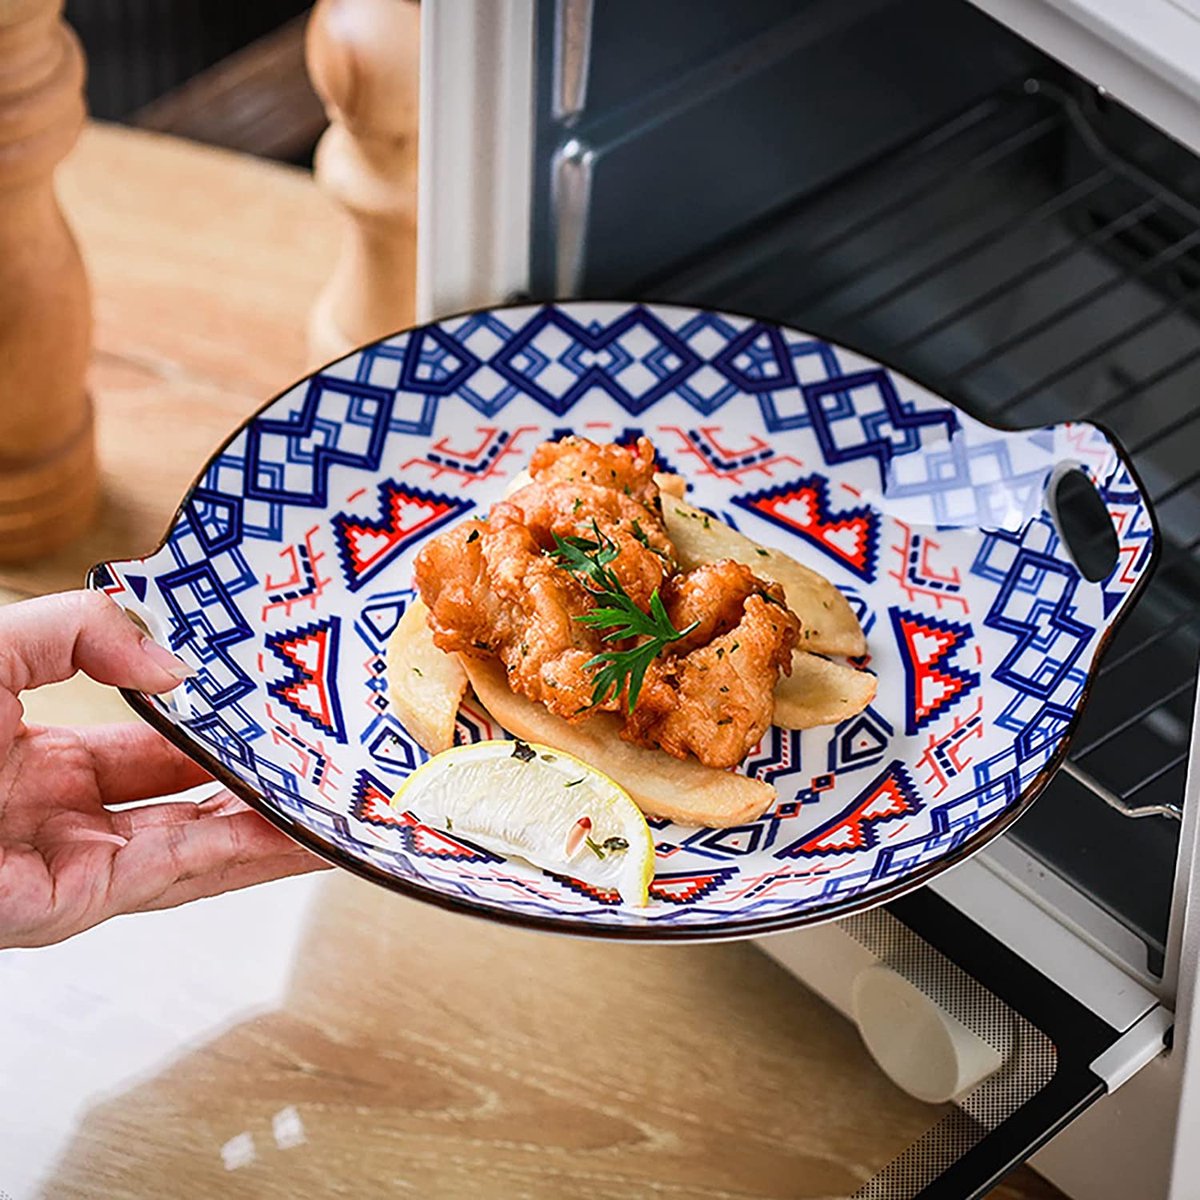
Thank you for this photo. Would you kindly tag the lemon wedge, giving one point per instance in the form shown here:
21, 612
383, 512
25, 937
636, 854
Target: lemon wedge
537, 803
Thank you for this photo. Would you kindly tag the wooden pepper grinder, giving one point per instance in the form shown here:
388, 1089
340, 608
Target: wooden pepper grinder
363, 57
48, 478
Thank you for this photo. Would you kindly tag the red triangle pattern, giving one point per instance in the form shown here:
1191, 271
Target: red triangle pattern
889, 796
609, 896
850, 832
374, 807
687, 889
366, 544
308, 651
850, 536
926, 644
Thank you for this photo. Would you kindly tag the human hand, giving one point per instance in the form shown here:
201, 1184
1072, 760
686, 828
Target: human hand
67, 861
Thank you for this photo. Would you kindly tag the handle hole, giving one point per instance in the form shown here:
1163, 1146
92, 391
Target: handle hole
1084, 523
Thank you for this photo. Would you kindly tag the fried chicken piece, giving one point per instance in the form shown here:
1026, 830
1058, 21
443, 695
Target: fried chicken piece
495, 589
629, 471
717, 701
645, 554
452, 578
713, 595
492, 593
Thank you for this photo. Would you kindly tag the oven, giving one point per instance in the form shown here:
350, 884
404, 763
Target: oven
1001, 199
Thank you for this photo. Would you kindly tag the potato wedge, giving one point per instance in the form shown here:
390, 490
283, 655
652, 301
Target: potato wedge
425, 684
671, 485
830, 626
662, 786
821, 692
521, 479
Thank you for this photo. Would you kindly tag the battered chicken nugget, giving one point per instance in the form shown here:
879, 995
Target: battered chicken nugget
712, 597
645, 555
492, 593
578, 460
717, 701
576, 625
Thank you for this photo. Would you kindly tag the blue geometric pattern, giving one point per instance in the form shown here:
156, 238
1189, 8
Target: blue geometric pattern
862, 416
636, 360
860, 741
1034, 605
288, 460
290, 565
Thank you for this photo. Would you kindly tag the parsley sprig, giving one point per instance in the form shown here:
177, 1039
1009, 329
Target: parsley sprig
615, 611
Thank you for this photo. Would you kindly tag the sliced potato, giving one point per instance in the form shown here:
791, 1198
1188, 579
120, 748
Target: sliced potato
671, 485
425, 683
830, 626
677, 789
821, 692
517, 482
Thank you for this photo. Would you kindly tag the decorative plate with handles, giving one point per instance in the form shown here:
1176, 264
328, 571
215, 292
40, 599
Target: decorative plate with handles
289, 565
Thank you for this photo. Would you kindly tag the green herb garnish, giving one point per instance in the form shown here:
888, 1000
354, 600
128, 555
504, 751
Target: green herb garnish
615, 611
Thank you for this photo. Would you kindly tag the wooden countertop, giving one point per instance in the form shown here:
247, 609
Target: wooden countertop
405, 1051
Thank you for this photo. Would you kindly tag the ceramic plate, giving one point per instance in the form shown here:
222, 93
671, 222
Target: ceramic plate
290, 562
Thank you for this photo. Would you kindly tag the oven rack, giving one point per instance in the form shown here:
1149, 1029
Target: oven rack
1018, 261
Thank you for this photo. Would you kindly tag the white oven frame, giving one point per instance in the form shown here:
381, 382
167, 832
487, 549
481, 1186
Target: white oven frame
477, 88
1145, 53
475, 153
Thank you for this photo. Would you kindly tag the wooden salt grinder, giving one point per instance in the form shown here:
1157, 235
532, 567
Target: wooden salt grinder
48, 478
363, 57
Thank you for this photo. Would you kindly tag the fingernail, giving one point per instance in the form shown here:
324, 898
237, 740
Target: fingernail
160, 656
96, 835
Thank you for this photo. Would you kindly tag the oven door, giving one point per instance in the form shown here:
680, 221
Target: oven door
1004, 1057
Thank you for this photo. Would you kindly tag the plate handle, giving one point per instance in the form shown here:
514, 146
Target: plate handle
1103, 514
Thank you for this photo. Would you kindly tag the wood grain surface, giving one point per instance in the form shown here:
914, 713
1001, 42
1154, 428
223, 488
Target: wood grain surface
417, 1053
257, 99
204, 265
431, 1055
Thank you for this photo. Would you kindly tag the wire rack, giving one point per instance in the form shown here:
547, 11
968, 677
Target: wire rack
1027, 261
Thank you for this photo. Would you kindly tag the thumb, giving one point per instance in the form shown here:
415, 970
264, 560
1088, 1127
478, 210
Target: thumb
48, 639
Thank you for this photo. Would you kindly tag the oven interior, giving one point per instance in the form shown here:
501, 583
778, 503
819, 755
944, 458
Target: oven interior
914, 181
